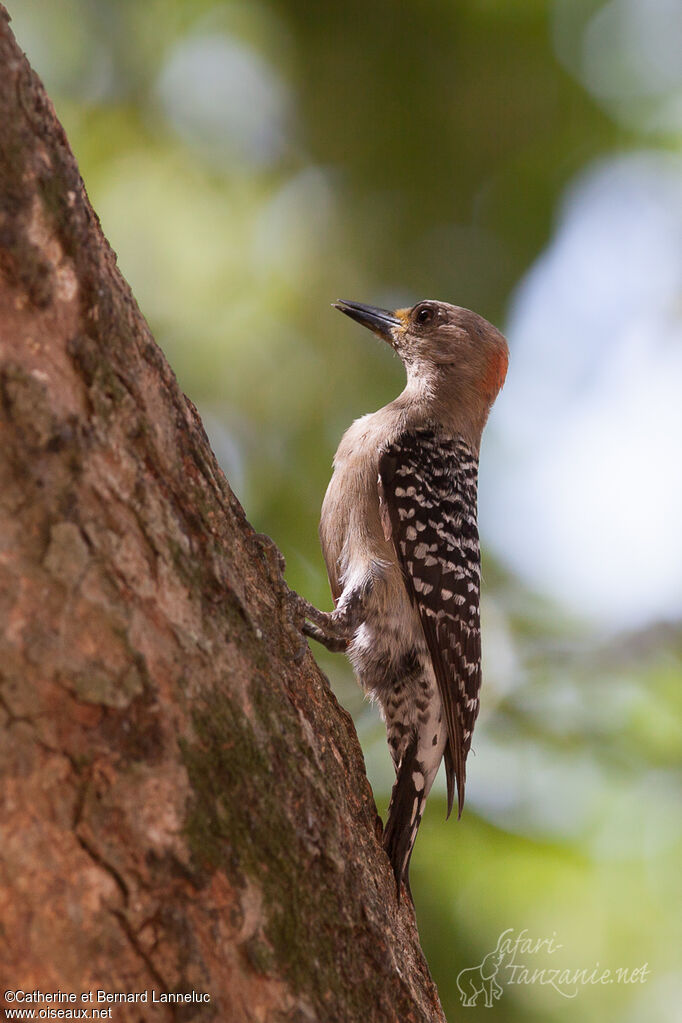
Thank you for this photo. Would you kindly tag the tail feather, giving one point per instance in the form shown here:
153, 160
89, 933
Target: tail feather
404, 814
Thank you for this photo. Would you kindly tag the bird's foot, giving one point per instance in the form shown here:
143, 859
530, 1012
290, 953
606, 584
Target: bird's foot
331, 628
337, 644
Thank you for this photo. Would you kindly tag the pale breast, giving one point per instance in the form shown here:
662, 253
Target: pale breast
351, 533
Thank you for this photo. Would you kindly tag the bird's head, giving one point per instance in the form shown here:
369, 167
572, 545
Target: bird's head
451, 350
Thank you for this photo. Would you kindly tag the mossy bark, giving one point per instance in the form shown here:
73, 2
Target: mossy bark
184, 805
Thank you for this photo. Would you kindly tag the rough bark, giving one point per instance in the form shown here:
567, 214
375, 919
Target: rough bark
184, 804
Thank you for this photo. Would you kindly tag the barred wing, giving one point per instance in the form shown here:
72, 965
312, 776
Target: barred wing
427, 490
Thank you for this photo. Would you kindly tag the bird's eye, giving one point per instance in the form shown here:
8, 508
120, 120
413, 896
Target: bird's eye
424, 315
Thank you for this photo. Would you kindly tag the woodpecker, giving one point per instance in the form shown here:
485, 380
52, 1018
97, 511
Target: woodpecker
400, 541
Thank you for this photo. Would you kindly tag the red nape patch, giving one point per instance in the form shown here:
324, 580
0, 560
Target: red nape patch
495, 373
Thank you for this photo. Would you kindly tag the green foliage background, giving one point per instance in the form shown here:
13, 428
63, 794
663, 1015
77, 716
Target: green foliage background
414, 150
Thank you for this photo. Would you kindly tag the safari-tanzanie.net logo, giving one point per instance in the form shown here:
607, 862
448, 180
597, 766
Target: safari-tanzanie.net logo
519, 959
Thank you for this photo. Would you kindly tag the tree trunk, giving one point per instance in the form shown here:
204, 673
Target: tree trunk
184, 804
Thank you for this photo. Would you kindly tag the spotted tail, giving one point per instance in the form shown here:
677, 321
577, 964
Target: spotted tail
405, 813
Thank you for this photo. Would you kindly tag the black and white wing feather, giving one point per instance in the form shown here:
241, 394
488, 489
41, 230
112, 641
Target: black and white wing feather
428, 494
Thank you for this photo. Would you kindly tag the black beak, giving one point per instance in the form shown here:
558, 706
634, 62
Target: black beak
381, 321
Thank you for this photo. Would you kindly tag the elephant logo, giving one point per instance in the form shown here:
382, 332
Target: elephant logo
481, 979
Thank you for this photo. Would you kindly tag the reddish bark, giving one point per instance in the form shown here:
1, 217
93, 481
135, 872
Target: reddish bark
184, 804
